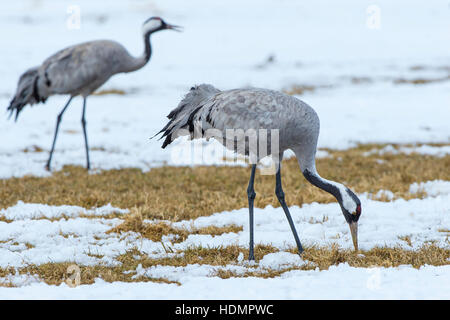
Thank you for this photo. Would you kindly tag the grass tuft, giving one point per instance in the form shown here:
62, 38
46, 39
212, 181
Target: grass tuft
155, 231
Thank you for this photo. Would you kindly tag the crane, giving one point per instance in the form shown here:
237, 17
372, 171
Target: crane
208, 112
79, 70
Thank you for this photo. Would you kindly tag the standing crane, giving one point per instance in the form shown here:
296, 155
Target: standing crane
80, 70
212, 112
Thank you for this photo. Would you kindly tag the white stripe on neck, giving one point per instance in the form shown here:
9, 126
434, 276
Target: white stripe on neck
347, 201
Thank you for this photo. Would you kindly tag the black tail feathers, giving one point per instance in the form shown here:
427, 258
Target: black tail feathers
27, 93
15, 106
183, 116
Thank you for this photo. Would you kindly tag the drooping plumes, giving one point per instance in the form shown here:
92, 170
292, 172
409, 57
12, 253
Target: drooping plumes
27, 92
182, 117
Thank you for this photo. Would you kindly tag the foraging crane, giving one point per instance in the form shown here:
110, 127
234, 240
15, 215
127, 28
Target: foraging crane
80, 70
208, 111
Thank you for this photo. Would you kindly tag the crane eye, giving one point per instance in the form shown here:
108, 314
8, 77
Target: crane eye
358, 209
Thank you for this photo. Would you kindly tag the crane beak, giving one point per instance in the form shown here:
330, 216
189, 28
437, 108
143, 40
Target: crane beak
354, 232
174, 27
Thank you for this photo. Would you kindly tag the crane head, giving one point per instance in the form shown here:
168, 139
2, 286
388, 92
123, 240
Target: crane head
351, 209
154, 24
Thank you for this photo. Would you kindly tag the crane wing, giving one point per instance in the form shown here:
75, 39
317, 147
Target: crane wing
80, 68
249, 109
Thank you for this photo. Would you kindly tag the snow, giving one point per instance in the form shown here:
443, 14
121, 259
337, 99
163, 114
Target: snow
19, 280
339, 282
357, 69
385, 193
41, 241
279, 260
25, 211
432, 188
436, 151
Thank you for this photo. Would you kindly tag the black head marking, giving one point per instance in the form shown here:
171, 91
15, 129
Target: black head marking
330, 188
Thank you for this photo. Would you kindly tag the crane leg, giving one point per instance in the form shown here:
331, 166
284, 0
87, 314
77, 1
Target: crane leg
280, 195
58, 121
83, 123
251, 198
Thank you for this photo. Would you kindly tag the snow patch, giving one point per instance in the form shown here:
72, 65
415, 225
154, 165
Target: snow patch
384, 193
436, 151
280, 260
432, 188
27, 211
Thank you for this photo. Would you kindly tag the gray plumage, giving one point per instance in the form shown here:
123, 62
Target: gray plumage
206, 109
79, 70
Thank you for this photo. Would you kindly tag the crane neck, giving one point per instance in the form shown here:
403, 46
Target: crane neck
329, 186
147, 46
307, 162
136, 63
346, 198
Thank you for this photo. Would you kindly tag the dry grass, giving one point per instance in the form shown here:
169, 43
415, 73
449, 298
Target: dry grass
302, 89
57, 273
218, 256
379, 257
7, 285
418, 81
407, 239
155, 231
177, 193
33, 149
361, 80
315, 257
116, 91
110, 91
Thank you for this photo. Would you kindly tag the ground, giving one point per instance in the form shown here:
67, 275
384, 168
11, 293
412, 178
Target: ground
148, 223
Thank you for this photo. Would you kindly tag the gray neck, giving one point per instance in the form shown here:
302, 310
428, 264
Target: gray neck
346, 198
307, 164
329, 186
137, 63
